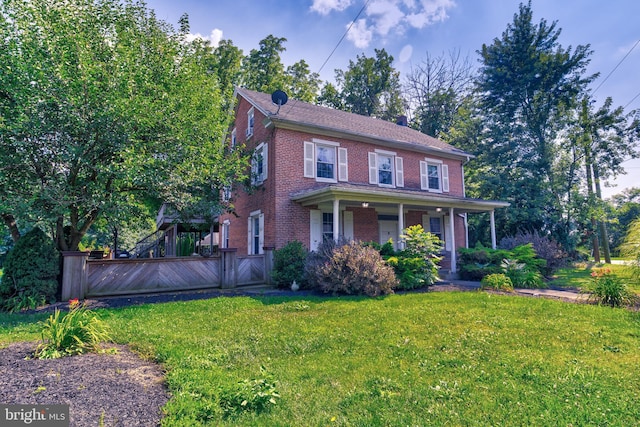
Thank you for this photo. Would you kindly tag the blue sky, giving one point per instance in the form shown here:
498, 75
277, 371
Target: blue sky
408, 29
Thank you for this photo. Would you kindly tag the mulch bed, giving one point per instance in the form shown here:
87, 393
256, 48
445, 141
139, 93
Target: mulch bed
111, 389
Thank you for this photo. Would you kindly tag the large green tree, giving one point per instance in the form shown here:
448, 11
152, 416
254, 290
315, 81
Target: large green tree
102, 105
527, 83
262, 69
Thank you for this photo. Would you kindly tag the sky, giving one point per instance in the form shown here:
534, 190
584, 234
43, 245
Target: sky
409, 29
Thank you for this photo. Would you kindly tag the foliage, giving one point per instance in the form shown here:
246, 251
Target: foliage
522, 275
256, 395
107, 107
498, 282
354, 269
545, 248
288, 265
76, 332
475, 263
31, 271
370, 87
608, 289
631, 248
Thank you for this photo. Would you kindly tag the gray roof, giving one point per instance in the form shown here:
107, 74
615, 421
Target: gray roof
321, 119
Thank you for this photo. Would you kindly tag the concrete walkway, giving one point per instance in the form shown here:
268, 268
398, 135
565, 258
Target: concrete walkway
557, 293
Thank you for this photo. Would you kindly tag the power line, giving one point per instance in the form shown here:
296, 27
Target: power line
338, 44
616, 67
632, 99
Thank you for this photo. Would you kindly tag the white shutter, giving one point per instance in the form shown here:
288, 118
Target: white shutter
261, 234
424, 179
315, 229
309, 160
373, 168
249, 236
347, 225
445, 178
343, 169
265, 161
399, 172
445, 233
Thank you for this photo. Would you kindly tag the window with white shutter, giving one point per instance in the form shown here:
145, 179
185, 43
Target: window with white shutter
325, 161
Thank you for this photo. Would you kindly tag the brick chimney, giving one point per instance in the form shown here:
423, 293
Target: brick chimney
401, 120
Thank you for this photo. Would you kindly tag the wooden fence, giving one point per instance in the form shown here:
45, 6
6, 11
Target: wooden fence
84, 278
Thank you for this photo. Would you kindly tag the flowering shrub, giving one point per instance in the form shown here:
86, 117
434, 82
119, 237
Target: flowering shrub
609, 289
75, 332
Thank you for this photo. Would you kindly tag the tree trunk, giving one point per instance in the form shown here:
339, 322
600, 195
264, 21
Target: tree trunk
10, 222
594, 225
602, 224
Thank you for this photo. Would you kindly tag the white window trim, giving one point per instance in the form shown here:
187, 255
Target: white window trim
397, 168
234, 137
263, 149
443, 175
250, 122
341, 163
250, 232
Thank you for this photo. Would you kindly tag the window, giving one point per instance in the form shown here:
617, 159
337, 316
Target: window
386, 169
250, 123
255, 233
224, 241
325, 161
259, 164
327, 226
234, 138
434, 176
226, 193
435, 227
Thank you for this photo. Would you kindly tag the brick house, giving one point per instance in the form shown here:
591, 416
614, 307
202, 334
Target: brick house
322, 173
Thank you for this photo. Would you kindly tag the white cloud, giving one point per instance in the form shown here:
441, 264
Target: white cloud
360, 34
324, 7
384, 17
214, 38
405, 53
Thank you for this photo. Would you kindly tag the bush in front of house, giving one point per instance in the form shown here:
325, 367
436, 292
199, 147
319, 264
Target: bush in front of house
475, 263
351, 269
289, 265
545, 248
497, 282
417, 265
31, 272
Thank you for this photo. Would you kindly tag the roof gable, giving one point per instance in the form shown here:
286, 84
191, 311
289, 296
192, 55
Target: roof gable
314, 117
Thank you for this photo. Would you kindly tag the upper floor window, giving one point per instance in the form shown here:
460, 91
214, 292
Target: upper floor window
259, 164
250, 118
434, 175
325, 161
386, 169
226, 193
234, 138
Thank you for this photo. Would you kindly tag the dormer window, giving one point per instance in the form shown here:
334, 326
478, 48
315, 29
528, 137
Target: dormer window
250, 117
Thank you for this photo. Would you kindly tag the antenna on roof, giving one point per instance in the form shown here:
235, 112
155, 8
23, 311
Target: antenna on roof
279, 98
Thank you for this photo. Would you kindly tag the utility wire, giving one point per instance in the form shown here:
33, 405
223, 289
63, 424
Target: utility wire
633, 99
366, 3
616, 67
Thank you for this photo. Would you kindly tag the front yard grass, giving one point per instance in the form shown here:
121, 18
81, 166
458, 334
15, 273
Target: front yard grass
445, 358
579, 276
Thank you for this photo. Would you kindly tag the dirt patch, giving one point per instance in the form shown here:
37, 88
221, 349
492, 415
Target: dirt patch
108, 389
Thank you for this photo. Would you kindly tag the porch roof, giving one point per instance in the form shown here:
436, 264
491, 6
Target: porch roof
351, 194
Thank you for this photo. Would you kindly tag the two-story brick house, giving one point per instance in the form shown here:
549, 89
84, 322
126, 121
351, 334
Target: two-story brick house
322, 173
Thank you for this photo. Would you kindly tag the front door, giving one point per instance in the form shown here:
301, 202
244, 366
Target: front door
389, 230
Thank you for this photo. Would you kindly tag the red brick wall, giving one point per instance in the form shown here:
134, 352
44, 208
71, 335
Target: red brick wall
285, 220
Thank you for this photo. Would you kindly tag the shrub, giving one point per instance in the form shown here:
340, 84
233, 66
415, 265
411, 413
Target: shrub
288, 265
355, 269
498, 282
519, 263
475, 263
75, 332
545, 248
31, 271
522, 275
630, 249
608, 289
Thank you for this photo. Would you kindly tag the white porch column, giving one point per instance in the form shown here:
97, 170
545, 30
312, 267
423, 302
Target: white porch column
452, 236
336, 219
400, 225
492, 221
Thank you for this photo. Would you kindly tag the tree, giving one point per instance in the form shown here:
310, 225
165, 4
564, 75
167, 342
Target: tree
302, 83
527, 83
104, 105
262, 69
436, 89
370, 87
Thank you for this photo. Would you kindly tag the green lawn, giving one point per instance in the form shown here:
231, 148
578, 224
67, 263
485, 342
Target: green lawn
579, 276
418, 359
